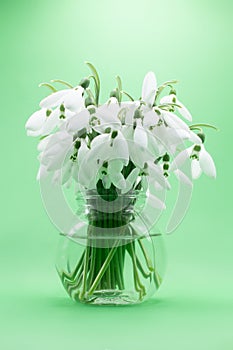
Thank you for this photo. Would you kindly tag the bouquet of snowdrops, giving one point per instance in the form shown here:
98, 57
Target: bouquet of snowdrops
113, 149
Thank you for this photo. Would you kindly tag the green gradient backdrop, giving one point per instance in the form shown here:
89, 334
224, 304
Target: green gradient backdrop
187, 40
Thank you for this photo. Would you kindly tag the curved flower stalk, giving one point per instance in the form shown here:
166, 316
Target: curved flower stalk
121, 145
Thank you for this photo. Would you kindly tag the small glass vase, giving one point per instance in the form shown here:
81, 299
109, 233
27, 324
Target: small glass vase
111, 258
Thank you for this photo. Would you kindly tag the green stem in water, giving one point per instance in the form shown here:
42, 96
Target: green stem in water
148, 260
85, 269
102, 270
138, 285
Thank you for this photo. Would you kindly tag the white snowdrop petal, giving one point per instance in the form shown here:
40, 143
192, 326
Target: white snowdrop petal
36, 121
120, 148
195, 169
115, 166
118, 180
206, 163
181, 176
150, 118
184, 111
127, 110
43, 143
149, 88
179, 160
54, 99
167, 99
78, 121
73, 100
51, 122
108, 114
175, 122
82, 152
106, 182
100, 140
140, 136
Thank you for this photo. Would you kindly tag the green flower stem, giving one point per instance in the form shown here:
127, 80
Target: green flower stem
157, 278
143, 272
148, 261
138, 285
121, 265
92, 264
102, 270
71, 278
118, 269
85, 269
108, 272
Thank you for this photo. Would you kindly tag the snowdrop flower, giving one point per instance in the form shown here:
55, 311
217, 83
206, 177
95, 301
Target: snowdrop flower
121, 143
203, 162
71, 99
111, 148
172, 98
44, 121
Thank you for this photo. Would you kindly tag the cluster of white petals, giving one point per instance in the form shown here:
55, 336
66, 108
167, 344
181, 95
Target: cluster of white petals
120, 143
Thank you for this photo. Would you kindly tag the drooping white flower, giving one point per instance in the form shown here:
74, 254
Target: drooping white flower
111, 148
205, 164
172, 98
44, 121
35, 123
72, 99
200, 161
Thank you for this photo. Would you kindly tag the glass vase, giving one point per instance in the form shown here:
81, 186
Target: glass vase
111, 258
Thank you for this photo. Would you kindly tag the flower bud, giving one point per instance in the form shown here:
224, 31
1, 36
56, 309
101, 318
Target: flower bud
85, 82
115, 93
89, 101
77, 144
138, 114
197, 148
62, 108
202, 137
48, 112
114, 134
107, 130
166, 157
172, 91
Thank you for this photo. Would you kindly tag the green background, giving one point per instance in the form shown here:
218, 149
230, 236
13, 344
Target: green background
188, 40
